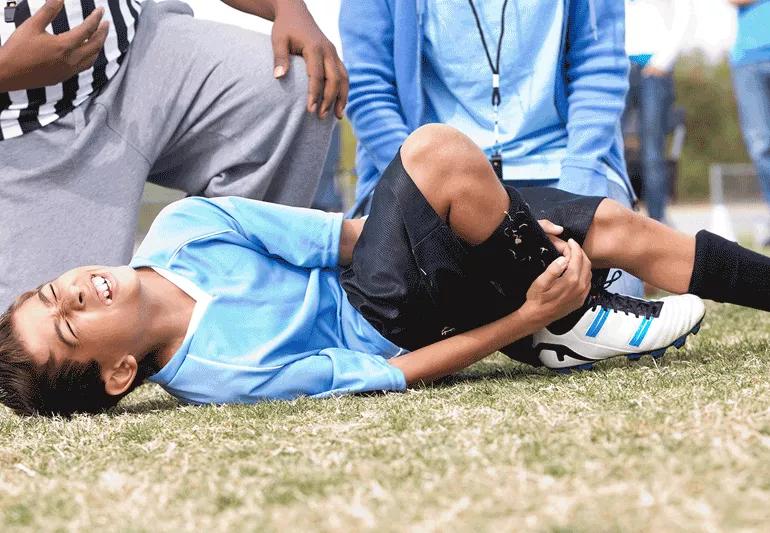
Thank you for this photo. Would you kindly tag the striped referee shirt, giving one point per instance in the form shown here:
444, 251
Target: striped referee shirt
31, 109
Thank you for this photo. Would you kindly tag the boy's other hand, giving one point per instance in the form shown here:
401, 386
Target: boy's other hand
295, 32
562, 288
33, 58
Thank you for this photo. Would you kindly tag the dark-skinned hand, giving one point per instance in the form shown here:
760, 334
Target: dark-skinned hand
33, 58
296, 33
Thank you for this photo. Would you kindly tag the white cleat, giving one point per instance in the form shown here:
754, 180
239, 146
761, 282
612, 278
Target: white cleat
615, 325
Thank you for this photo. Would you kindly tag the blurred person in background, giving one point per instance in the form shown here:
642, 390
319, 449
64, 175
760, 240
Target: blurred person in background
98, 96
751, 76
655, 33
539, 85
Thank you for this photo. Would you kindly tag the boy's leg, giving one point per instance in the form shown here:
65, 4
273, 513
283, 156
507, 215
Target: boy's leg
646, 248
220, 123
415, 273
455, 178
458, 183
705, 265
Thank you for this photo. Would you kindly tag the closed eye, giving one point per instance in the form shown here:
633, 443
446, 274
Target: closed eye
69, 327
72, 332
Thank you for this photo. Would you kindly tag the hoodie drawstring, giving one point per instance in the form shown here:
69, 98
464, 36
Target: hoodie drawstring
592, 19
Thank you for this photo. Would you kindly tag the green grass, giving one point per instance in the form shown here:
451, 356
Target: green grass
683, 444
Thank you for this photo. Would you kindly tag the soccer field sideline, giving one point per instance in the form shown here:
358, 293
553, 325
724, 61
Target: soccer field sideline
683, 444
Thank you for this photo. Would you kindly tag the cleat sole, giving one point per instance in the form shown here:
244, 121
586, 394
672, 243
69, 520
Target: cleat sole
572, 369
634, 356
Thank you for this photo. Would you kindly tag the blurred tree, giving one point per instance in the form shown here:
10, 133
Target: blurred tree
705, 91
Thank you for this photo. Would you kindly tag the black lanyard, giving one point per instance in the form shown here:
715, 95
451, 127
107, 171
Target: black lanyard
497, 158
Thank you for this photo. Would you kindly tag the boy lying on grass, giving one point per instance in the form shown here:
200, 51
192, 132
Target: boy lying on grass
232, 300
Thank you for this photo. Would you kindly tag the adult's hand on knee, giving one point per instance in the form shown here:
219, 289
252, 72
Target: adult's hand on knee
295, 32
33, 58
562, 288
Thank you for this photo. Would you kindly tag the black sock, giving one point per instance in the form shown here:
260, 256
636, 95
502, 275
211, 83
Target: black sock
727, 272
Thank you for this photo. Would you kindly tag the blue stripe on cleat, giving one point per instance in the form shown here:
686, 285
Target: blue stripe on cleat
641, 333
598, 323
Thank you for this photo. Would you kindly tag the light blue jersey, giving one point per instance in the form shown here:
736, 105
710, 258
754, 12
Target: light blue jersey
457, 80
271, 320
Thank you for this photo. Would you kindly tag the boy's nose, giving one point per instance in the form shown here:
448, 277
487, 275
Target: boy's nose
75, 299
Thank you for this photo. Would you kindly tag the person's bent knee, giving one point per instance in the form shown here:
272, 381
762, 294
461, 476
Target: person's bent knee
441, 151
429, 139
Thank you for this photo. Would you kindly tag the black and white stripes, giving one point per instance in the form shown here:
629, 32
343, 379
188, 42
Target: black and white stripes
25, 111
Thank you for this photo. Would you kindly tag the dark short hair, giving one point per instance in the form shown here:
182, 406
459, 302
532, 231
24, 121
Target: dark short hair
50, 389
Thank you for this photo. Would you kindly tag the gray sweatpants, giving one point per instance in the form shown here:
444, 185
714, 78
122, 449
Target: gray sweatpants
194, 107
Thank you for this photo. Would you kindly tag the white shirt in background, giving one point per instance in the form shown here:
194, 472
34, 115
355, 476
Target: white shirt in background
658, 28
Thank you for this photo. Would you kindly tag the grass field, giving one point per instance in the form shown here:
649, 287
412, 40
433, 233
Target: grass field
683, 444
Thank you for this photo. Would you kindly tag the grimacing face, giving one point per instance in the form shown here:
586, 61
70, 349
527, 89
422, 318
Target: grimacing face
88, 313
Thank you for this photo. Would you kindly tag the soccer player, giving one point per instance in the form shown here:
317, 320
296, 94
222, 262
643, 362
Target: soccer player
235, 300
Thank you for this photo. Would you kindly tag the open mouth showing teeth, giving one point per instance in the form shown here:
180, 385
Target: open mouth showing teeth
103, 287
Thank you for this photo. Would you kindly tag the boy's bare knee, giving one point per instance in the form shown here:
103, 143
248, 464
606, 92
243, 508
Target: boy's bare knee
440, 150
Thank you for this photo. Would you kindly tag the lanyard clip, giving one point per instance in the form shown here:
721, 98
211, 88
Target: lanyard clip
495, 89
10, 11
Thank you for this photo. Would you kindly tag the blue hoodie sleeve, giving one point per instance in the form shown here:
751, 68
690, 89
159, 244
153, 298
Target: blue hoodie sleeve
597, 82
366, 30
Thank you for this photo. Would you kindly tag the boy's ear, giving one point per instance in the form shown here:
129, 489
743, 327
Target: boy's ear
120, 376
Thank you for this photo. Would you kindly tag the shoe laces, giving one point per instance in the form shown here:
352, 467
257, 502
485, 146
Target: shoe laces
601, 297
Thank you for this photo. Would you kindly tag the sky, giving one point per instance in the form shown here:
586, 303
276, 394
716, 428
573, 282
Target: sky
713, 29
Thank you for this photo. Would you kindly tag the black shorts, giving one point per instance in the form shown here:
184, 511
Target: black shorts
392, 280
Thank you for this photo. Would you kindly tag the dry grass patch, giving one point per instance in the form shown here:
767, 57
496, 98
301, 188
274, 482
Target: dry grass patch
683, 444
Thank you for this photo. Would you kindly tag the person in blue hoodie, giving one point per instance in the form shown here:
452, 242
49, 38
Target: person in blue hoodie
539, 85
751, 76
